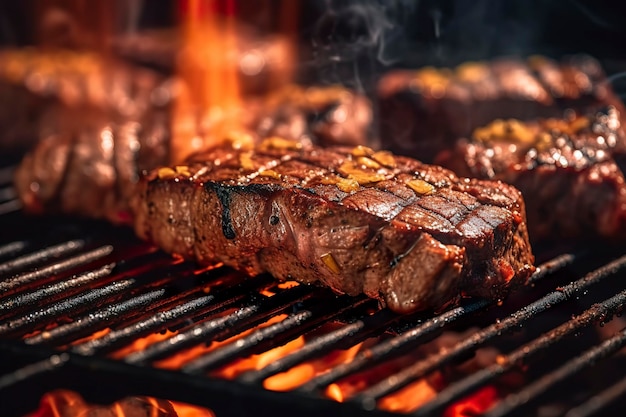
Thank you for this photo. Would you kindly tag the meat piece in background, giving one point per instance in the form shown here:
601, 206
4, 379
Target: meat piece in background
88, 161
567, 169
424, 112
414, 236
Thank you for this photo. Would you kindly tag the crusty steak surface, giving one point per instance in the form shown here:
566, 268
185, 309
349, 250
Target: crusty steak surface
424, 112
568, 171
412, 235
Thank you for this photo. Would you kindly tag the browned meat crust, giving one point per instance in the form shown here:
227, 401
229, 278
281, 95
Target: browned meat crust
411, 235
424, 112
88, 160
567, 170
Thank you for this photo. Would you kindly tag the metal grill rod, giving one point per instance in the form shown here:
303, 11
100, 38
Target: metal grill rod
12, 248
172, 316
204, 331
420, 369
41, 255
397, 344
56, 268
350, 334
30, 370
99, 316
65, 306
10, 207
301, 321
533, 391
520, 355
40, 294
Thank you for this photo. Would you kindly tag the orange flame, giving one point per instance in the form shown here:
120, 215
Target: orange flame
300, 374
206, 108
63, 403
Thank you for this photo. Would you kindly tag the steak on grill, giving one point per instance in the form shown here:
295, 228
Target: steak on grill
424, 112
87, 161
567, 169
412, 235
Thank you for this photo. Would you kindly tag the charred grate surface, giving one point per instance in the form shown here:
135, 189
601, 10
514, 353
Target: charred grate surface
74, 303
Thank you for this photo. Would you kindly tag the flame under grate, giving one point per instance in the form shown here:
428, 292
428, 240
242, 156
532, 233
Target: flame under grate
74, 295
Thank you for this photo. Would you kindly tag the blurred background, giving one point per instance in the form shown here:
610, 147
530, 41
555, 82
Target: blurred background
351, 41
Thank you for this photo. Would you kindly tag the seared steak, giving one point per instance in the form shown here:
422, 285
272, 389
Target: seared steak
88, 160
412, 235
567, 170
424, 112
31, 81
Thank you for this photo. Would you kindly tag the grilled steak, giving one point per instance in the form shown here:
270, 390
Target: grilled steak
568, 171
88, 161
411, 235
424, 112
31, 81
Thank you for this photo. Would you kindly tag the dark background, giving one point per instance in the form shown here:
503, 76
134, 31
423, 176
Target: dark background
353, 41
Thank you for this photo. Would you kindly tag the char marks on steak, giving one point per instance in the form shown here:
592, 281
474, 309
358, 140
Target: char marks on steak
567, 169
412, 235
424, 112
87, 161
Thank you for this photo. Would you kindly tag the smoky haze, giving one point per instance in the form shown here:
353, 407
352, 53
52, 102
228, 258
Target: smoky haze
353, 41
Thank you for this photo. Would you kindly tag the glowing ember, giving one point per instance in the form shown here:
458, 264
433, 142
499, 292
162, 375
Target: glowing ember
142, 343
180, 359
261, 360
300, 374
475, 404
63, 403
410, 398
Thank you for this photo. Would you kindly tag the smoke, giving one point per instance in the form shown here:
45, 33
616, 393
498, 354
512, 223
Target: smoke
352, 40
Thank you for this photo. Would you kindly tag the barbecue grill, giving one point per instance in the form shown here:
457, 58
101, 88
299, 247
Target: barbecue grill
65, 279
78, 297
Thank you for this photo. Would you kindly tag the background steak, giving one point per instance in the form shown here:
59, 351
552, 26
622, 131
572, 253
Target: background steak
567, 169
424, 112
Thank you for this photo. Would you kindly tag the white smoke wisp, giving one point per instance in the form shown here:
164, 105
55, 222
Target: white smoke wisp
353, 39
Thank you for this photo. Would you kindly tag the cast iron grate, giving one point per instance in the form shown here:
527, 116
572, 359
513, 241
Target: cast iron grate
64, 280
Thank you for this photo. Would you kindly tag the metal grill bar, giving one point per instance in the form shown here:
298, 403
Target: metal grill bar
90, 347
97, 317
204, 331
172, 316
348, 335
535, 390
16, 302
12, 248
10, 207
231, 351
392, 346
519, 356
82, 259
7, 193
28, 371
403, 341
44, 254
599, 402
420, 369
23, 323
302, 321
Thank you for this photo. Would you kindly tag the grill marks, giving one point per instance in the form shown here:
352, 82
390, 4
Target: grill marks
90, 165
301, 214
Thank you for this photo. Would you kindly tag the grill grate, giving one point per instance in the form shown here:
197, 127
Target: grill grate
77, 279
